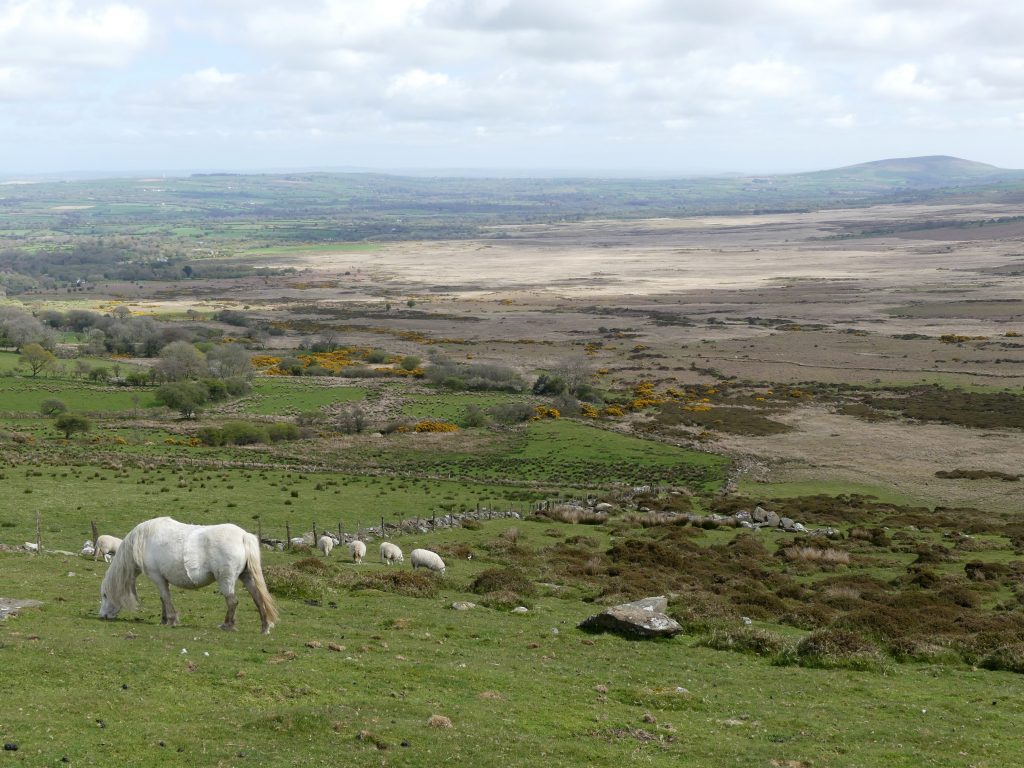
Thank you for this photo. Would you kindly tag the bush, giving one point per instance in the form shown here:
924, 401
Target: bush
407, 583
838, 649
69, 423
409, 363
377, 356
549, 385
503, 580
746, 640
1007, 658
294, 583
281, 432
511, 413
244, 433
52, 407
474, 416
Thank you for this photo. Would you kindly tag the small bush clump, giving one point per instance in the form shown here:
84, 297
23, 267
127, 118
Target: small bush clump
405, 583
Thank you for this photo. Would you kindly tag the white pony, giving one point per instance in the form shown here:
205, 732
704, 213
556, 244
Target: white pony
358, 550
326, 544
189, 556
106, 547
390, 553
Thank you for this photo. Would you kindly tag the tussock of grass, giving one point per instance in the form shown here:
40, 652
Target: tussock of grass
746, 640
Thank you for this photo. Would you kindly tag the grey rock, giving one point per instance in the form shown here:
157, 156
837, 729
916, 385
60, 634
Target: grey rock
760, 514
787, 524
463, 606
772, 521
604, 506
520, 609
639, 619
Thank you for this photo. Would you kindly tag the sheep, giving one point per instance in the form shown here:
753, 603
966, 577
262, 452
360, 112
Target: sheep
390, 553
106, 546
424, 558
358, 550
326, 544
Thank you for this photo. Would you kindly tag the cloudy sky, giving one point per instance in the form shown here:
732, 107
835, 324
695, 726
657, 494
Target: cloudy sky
648, 86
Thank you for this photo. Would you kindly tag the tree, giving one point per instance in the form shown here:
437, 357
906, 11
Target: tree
186, 397
52, 407
69, 423
229, 361
180, 360
36, 358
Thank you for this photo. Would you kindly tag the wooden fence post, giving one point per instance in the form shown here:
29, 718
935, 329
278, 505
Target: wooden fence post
259, 529
315, 539
39, 531
95, 532
288, 536
382, 526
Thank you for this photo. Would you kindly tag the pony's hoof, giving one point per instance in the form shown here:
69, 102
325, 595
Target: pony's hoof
228, 627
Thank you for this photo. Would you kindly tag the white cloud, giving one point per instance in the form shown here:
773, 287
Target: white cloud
904, 81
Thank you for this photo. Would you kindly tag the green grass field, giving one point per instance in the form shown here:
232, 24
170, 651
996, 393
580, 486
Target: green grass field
280, 395
518, 690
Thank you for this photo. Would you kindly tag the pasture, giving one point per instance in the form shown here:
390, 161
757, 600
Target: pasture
361, 671
734, 360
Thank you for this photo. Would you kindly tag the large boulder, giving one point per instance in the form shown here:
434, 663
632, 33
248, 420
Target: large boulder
641, 618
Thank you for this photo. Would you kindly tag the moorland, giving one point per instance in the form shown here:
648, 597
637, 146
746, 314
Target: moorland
574, 391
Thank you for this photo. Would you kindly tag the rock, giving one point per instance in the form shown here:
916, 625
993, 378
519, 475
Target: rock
463, 606
604, 506
787, 524
520, 609
642, 618
439, 721
743, 516
760, 514
772, 521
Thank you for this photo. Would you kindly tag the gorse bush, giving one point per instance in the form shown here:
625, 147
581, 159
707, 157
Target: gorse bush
474, 376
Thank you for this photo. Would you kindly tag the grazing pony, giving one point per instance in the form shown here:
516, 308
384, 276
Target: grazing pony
189, 556
106, 547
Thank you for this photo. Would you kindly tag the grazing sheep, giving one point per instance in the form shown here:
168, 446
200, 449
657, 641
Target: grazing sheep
106, 547
358, 550
390, 553
326, 544
424, 558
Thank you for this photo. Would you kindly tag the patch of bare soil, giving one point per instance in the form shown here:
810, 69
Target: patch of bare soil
10, 606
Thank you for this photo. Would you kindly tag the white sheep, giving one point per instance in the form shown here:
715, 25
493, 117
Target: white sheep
358, 550
390, 553
326, 544
106, 547
424, 558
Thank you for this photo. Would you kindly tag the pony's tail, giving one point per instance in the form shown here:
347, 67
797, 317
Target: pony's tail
264, 602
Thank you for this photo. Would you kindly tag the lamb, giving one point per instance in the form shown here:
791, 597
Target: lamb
106, 547
424, 558
358, 550
326, 544
390, 553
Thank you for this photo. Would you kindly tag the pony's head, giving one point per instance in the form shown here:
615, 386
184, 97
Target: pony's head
117, 590
108, 609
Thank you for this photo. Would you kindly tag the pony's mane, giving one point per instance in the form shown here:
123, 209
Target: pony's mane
119, 581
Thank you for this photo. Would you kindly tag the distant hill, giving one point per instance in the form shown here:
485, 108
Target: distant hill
929, 172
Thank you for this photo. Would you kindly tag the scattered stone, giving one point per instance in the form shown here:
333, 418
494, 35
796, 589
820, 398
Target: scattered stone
463, 605
439, 721
642, 618
604, 506
9, 606
520, 609
649, 718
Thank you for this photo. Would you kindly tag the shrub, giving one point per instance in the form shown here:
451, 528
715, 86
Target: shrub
503, 580
435, 426
1007, 658
52, 407
409, 363
474, 416
244, 433
746, 640
816, 555
834, 648
69, 423
281, 432
407, 583
377, 356
285, 581
511, 413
